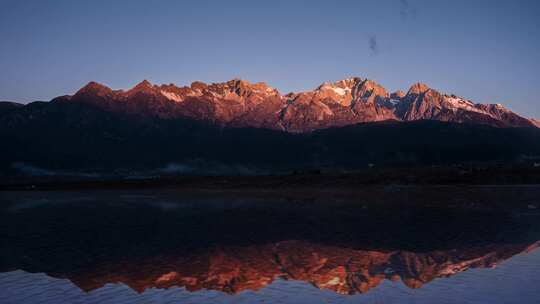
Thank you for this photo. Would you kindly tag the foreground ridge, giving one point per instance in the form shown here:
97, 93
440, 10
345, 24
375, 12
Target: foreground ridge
239, 103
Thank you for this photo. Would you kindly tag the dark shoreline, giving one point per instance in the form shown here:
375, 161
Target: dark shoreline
499, 188
314, 180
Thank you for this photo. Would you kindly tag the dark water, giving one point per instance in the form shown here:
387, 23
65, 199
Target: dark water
149, 247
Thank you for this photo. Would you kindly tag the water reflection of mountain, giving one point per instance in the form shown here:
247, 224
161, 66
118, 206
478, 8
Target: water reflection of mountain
233, 246
343, 270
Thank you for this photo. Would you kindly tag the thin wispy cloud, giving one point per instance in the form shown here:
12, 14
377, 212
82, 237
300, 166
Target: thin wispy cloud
373, 45
407, 10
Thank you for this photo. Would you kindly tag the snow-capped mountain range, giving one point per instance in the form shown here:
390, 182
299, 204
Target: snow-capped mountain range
239, 103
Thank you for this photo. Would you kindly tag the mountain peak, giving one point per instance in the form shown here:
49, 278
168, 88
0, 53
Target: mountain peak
245, 88
347, 83
350, 82
198, 85
145, 84
341, 88
94, 88
369, 88
418, 88
94, 85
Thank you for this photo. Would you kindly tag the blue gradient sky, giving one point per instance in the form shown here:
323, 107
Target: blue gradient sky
487, 51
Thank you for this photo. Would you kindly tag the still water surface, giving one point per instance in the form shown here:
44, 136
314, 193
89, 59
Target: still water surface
143, 247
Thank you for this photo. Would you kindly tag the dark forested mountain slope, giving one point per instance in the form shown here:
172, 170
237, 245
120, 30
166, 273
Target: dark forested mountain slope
83, 136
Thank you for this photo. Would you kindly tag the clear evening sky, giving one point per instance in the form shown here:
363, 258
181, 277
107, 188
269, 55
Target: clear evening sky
487, 51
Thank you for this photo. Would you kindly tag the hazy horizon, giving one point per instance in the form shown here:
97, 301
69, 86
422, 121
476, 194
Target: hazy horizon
486, 51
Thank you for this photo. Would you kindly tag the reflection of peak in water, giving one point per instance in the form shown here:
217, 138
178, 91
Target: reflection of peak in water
343, 270
233, 246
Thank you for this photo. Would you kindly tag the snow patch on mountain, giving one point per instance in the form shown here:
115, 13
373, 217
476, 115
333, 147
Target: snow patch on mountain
171, 96
460, 103
341, 91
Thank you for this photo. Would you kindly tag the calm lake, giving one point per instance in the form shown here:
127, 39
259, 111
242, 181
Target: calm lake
390, 245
